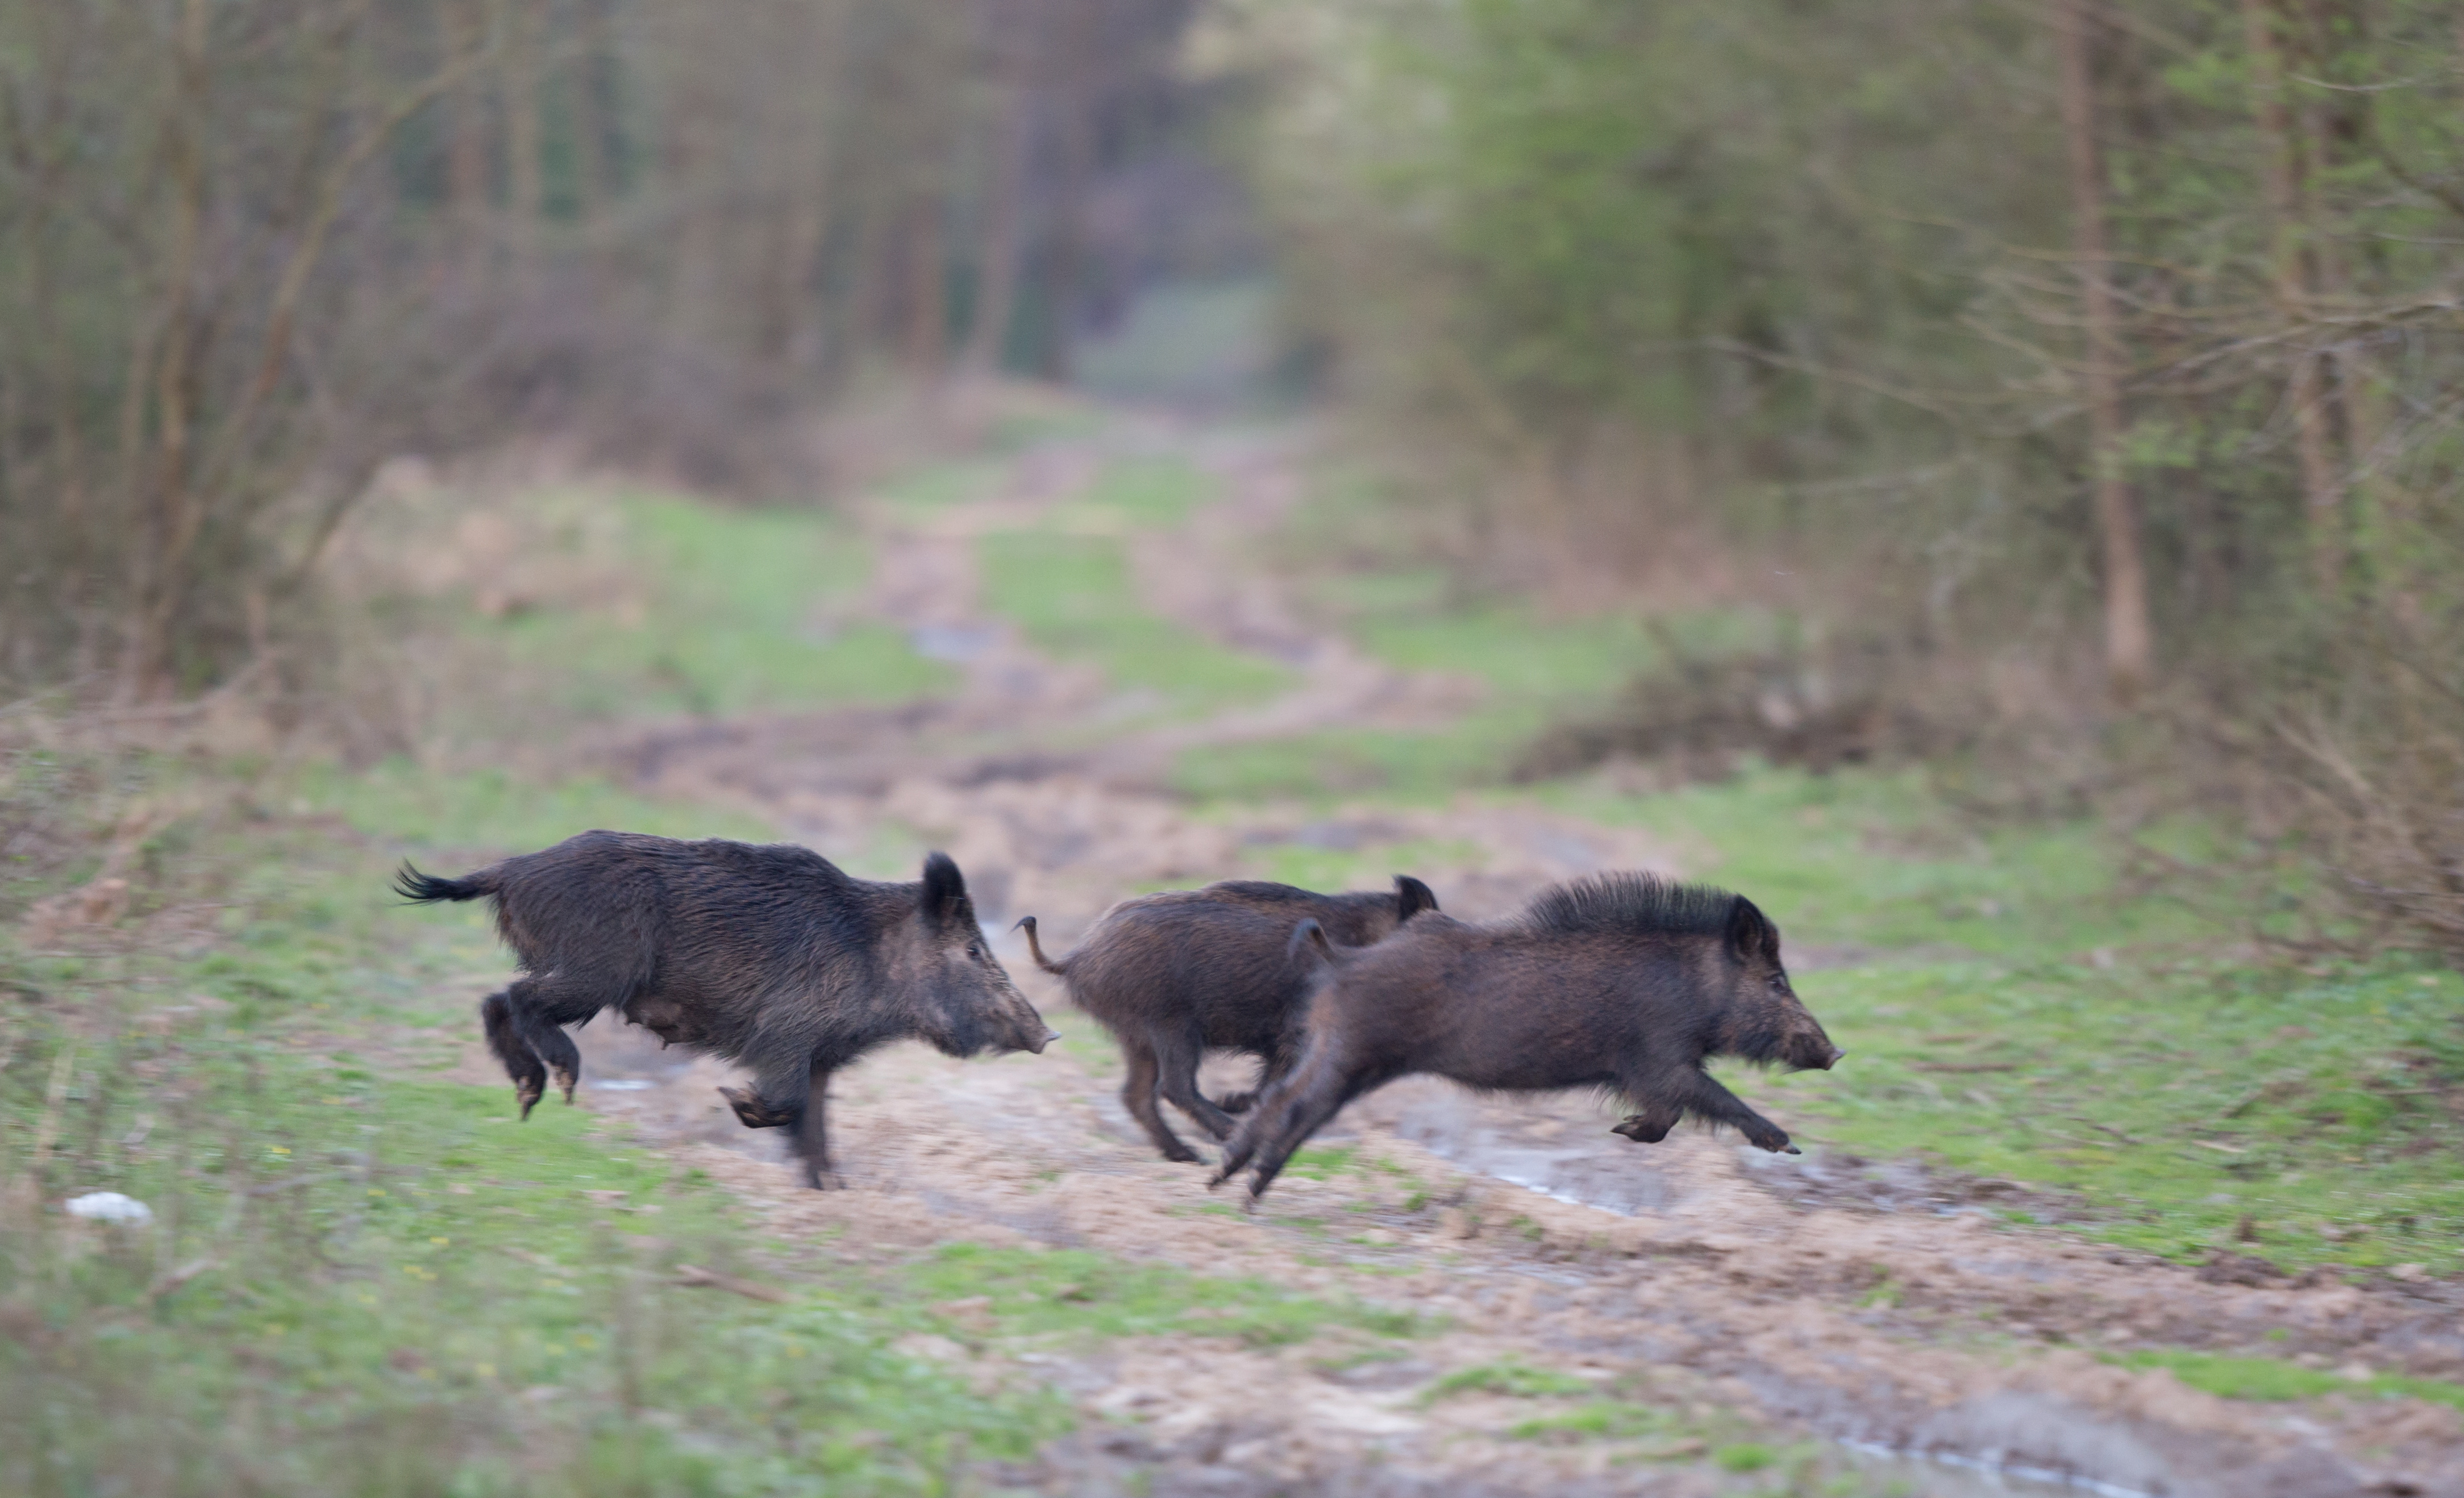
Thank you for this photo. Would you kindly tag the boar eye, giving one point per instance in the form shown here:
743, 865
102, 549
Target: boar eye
976, 950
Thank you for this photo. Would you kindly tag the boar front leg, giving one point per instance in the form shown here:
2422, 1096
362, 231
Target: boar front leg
812, 1132
796, 1101
1707, 1099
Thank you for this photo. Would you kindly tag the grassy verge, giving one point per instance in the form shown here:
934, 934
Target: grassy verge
363, 1276
1066, 584
733, 611
2268, 1379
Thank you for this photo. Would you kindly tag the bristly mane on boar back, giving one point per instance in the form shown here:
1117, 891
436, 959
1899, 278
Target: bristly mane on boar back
1625, 981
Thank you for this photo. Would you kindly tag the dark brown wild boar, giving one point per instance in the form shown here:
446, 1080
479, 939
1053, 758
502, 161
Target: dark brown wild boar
1174, 975
767, 955
1625, 981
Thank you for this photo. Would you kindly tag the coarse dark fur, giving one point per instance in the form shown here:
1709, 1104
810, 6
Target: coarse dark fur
1177, 974
767, 955
1622, 981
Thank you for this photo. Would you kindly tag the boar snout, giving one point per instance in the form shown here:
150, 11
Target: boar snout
1025, 1030
1812, 1052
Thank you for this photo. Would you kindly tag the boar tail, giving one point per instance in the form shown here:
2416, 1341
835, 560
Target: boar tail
1035, 949
421, 889
1309, 936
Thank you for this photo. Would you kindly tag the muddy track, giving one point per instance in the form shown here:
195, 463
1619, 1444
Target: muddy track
1869, 1305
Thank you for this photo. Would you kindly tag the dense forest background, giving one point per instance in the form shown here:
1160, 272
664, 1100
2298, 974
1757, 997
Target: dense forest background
2069, 387
2071, 380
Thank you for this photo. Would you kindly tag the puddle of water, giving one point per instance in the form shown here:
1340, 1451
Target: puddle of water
622, 1084
1584, 1165
1949, 1475
958, 644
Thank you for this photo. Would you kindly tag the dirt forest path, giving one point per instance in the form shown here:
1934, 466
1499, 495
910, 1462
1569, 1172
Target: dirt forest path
1863, 1311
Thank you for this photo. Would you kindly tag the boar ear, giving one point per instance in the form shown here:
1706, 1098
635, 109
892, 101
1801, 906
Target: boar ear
1750, 933
945, 889
1308, 936
1412, 897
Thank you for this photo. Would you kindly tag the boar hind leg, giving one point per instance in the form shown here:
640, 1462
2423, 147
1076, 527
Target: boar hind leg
1176, 1062
543, 1006
1138, 1097
513, 1051
1651, 1125
755, 1111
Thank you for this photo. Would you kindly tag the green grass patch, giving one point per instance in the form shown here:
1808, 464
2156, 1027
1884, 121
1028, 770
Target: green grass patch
378, 1286
728, 610
1072, 596
1140, 493
1745, 1456
1516, 653
1878, 859
1405, 766
1321, 1162
919, 493
1371, 867
400, 801
1074, 1294
1518, 1381
1602, 1419
2267, 1378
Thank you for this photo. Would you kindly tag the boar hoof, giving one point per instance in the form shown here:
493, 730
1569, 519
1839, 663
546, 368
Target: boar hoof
1236, 1103
566, 1082
528, 1094
1641, 1130
1791, 1149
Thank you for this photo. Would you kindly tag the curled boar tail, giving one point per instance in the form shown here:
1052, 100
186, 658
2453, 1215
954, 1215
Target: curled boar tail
1035, 949
421, 889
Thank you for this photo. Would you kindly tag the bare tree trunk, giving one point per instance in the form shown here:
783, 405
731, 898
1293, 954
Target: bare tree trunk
796, 232
519, 24
466, 157
687, 165
1076, 100
159, 457
928, 308
996, 256
2294, 271
593, 111
2128, 640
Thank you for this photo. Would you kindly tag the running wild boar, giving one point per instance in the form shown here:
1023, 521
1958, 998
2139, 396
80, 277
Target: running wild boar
1173, 974
766, 955
1622, 981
